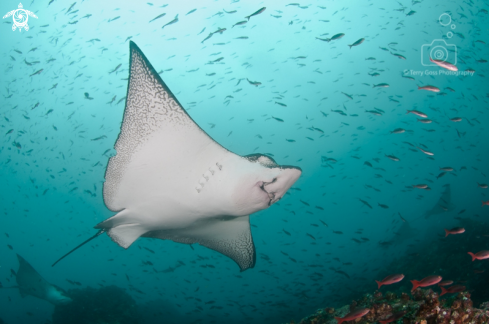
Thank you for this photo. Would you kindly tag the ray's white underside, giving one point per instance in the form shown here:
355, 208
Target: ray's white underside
170, 180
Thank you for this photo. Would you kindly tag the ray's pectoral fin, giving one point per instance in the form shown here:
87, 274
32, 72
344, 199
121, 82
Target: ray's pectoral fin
126, 234
228, 235
122, 229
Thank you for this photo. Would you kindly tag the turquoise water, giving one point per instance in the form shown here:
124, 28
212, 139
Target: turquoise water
336, 127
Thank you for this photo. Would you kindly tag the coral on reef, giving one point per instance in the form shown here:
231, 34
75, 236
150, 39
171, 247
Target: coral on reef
423, 307
107, 305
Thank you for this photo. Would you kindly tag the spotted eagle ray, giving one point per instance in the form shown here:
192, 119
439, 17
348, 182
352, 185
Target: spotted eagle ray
30, 282
170, 180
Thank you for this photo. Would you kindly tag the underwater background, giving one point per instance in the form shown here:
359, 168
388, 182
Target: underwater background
277, 85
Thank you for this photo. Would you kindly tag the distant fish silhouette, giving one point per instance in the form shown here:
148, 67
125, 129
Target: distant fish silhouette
31, 283
404, 233
443, 205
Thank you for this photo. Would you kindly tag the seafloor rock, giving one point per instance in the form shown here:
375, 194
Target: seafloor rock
107, 305
423, 307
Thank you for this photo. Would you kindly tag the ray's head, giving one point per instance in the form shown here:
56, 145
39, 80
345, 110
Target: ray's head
58, 296
264, 188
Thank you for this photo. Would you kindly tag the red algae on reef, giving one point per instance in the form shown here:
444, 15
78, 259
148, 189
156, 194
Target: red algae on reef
423, 307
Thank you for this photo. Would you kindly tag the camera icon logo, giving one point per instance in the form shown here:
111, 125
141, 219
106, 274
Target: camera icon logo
438, 50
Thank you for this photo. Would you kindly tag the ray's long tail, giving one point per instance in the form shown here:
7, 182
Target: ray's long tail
80, 245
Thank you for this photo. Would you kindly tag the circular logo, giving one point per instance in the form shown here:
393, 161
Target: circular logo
445, 19
20, 17
439, 53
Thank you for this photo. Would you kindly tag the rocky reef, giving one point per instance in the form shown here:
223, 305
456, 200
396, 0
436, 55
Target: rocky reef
107, 305
447, 257
424, 306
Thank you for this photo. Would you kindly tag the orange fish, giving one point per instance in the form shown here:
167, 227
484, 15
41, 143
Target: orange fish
422, 186
429, 88
426, 152
445, 283
481, 255
417, 113
444, 64
485, 203
455, 230
389, 280
447, 169
353, 315
452, 289
428, 281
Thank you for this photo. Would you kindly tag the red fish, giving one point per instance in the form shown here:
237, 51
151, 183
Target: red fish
455, 230
447, 169
393, 317
422, 186
389, 280
417, 113
353, 315
486, 203
452, 289
425, 152
481, 255
429, 88
428, 281
444, 64
445, 283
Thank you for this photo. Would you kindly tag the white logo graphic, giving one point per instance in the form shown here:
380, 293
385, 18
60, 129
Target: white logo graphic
439, 49
20, 17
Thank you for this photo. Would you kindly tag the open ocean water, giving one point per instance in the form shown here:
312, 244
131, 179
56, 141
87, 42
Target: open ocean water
393, 149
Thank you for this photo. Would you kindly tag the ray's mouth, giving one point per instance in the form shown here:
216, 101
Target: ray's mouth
271, 195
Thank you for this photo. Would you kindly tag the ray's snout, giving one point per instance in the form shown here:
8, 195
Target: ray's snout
277, 188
